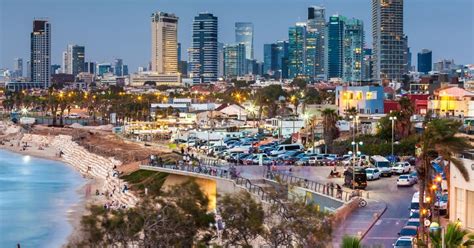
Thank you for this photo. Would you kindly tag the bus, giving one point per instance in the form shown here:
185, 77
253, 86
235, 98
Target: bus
360, 177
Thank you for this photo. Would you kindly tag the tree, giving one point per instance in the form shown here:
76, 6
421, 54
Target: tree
439, 139
454, 237
331, 131
177, 218
352, 111
243, 218
299, 82
351, 242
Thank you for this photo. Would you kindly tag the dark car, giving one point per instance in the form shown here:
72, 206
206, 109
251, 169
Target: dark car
411, 231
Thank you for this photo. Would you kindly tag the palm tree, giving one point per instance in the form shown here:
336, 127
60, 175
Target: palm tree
454, 237
350, 242
439, 139
331, 131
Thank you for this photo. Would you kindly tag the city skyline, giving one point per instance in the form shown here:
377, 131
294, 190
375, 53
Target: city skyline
133, 45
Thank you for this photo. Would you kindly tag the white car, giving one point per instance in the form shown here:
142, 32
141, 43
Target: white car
405, 180
404, 242
372, 173
401, 168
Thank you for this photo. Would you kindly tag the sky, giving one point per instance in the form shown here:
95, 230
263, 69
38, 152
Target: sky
112, 29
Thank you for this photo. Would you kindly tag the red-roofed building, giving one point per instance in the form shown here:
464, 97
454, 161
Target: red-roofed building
419, 103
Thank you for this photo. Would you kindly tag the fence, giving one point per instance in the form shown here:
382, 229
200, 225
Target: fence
229, 173
328, 189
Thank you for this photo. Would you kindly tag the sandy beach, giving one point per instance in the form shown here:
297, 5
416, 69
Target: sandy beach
43, 146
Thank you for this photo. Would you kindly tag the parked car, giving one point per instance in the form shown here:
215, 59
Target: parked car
401, 168
313, 159
413, 222
302, 161
405, 180
404, 242
410, 231
285, 148
441, 204
382, 164
372, 173
414, 176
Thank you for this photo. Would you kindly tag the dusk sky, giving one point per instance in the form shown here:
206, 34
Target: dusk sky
121, 28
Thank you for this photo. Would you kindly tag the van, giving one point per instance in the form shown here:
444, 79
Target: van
382, 164
285, 148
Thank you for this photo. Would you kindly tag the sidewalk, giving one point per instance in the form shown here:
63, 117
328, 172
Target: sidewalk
359, 222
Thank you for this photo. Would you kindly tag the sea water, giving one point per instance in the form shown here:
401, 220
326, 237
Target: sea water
35, 197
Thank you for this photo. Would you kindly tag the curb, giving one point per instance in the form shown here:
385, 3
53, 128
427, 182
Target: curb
373, 223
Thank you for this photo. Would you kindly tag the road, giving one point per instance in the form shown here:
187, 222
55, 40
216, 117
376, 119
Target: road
385, 231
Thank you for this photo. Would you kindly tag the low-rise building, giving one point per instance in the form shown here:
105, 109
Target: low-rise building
154, 79
366, 99
461, 193
452, 101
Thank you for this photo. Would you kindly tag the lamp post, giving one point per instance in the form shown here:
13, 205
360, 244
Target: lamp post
355, 152
393, 119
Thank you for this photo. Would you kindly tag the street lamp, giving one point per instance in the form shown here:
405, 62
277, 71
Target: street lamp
355, 149
393, 119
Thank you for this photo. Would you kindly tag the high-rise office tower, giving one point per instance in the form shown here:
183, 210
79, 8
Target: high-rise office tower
425, 58
75, 56
164, 43
296, 50
234, 60
317, 23
204, 48
41, 52
270, 63
335, 45
389, 41
179, 52
55, 69
282, 59
220, 59
311, 54
89, 67
353, 50
367, 65
244, 34
18, 67
118, 64
65, 62
103, 68
28, 70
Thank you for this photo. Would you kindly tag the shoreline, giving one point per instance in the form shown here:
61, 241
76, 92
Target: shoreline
76, 211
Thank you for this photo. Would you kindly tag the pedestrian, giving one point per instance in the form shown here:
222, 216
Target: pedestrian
182, 150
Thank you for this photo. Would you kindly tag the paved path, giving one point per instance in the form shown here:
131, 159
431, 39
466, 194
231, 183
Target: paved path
359, 222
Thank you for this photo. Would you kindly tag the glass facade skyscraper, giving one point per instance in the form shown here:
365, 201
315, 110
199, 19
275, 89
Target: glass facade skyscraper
425, 61
311, 52
317, 23
296, 50
353, 50
335, 37
275, 58
389, 41
76, 59
244, 35
204, 48
40, 60
234, 60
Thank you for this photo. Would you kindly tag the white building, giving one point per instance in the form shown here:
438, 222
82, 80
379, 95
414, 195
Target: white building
461, 193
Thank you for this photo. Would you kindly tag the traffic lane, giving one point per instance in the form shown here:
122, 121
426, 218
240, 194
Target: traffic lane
385, 231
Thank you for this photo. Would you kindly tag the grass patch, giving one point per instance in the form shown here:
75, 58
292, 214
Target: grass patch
141, 179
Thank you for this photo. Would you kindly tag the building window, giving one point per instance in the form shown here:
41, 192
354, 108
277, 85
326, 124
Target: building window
459, 204
470, 209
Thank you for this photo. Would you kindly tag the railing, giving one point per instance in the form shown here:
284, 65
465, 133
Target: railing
228, 173
328, 189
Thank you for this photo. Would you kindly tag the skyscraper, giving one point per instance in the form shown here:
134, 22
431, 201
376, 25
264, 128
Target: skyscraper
353, 50
118, 64
270, 52
220, 59
65, 62
41, 52
335, 45
367, 65
234, 60
425, 61
164, 43
296, 50
311, 54
204, 48
317, 23
389, 41
244, 34
282, 59
18, 67
89, 67
75, 56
